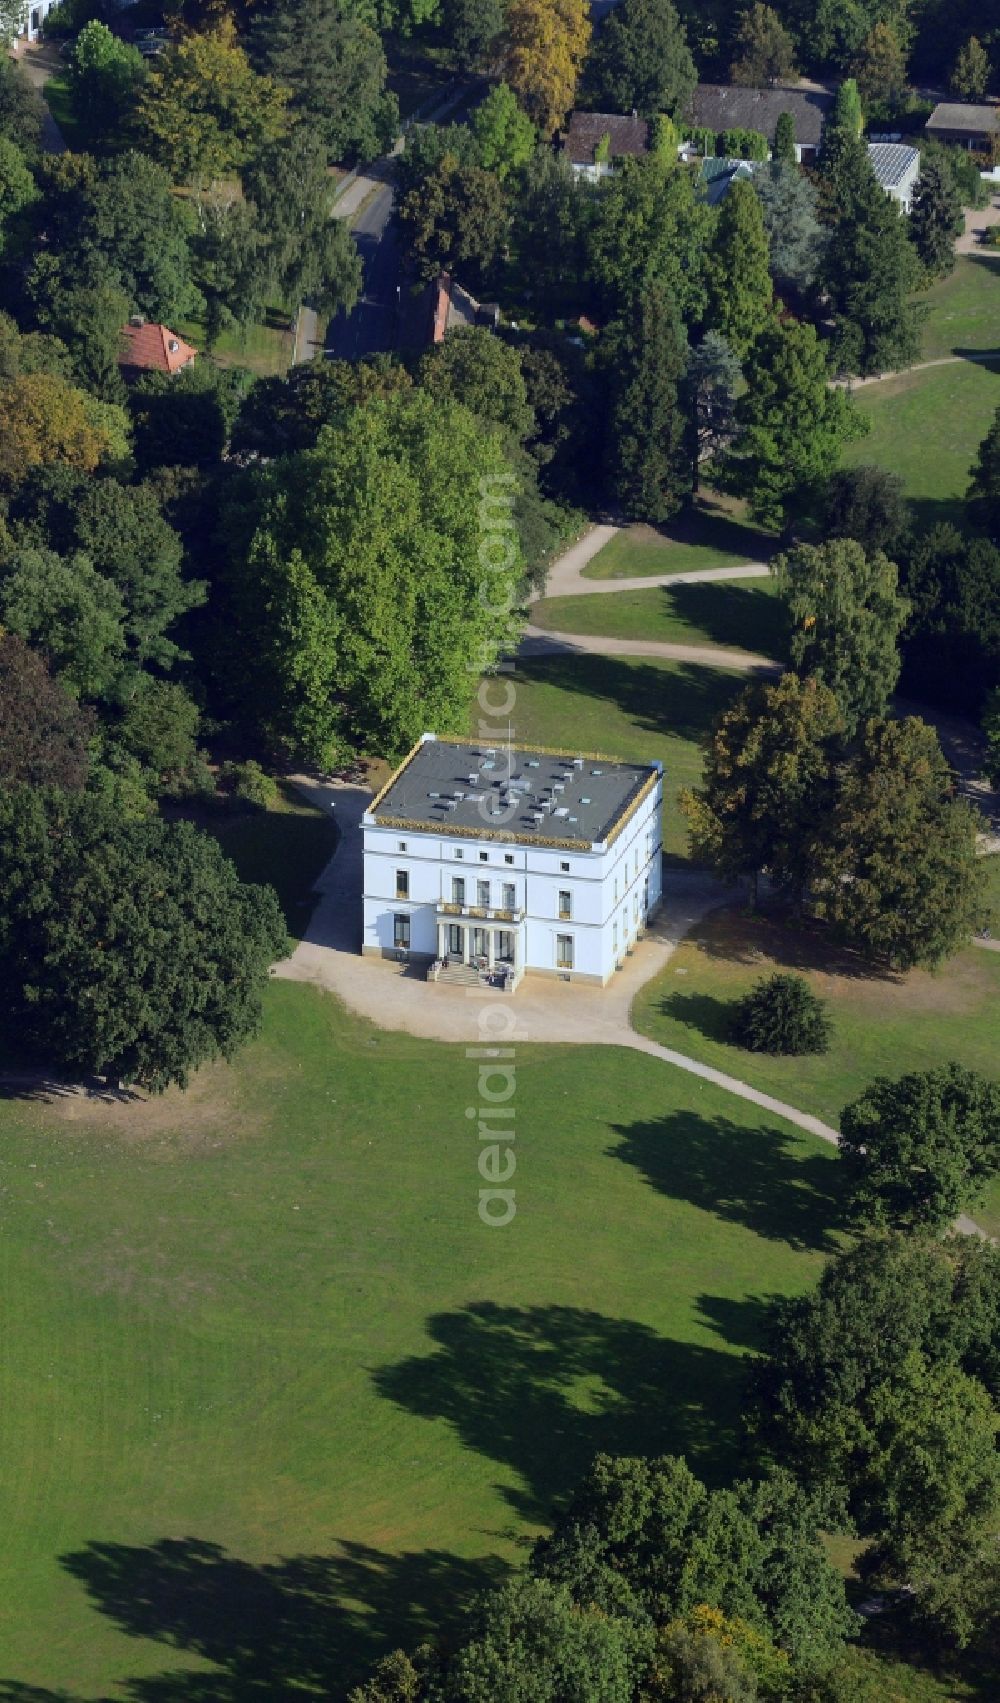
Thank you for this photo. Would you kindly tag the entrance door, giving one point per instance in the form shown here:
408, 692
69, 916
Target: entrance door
455, 941
479, 942
505, 946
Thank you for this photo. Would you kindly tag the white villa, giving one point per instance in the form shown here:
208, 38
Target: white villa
33, 16
496, 862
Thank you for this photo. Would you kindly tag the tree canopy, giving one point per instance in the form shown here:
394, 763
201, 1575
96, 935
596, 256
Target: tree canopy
919, 1150
846, 616
130, 949
356, 569
641, 61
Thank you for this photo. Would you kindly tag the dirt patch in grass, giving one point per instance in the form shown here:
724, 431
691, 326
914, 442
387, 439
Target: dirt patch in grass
204, 1115
770, 943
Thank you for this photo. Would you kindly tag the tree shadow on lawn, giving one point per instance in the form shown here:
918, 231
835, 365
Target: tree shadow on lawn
776, 938
753, 1177
675, 699
707, 523
309, 1626
732, 614
544, 1389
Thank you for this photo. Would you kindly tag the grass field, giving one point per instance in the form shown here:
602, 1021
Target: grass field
708, 537
274, 1396
927, 427
882, 1024
56, 96
964, 308
741, 613
288, 846
617, 707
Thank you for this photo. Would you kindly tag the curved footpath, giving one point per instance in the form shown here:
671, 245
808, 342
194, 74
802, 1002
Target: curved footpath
542, 1011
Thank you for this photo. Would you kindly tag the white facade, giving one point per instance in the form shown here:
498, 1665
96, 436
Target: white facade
500, 901
33, 17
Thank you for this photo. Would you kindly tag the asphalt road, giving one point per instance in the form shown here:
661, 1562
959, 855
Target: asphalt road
371, 328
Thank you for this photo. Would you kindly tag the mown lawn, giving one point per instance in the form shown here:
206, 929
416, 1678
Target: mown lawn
705, 537
637, 710
883, 1025
964, 308
927, 427
275, 1398
288, 846
745, 614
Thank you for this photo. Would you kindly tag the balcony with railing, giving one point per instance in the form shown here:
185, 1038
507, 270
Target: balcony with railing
480, 913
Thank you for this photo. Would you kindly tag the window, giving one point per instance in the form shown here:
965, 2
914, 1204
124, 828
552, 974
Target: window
616, 889
564, 868
565, 904
401, 933
457, 890
459, 853
564, 951
484, 857
508, 857
482, 894
614, 937
509, 896
402, 884
402, 845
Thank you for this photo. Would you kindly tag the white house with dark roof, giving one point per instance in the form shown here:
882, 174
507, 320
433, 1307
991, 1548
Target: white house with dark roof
494, 862
966, 125
897, 167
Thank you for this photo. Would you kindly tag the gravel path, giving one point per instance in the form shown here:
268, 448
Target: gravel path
566, 579
538, 641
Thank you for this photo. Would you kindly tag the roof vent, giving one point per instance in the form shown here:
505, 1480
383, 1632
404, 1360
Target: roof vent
597, 771
173, 345
578, 762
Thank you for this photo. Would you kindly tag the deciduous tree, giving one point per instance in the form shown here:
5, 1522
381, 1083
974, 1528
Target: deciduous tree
650, 223
894, 868
505, 135
921, 1149
310, 255
22, 110
130, 949
547, 43
203, 109
846, 616
368, 549
44, 732
765, 52
472, 31
867, 504
458, 220
641, 61
792, 425
105, 75
767, 781
329, 54
477, 369
68, 610
43, 419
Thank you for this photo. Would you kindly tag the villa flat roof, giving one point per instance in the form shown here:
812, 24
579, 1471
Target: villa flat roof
517, 793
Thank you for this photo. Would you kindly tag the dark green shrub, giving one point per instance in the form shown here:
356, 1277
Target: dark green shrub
248, 782
781, 1014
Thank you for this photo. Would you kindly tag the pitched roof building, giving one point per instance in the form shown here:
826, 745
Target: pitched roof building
153, 348
452, 308
621, 136
973, 127
722, 106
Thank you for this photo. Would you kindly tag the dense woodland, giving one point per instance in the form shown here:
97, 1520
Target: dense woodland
210, 578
